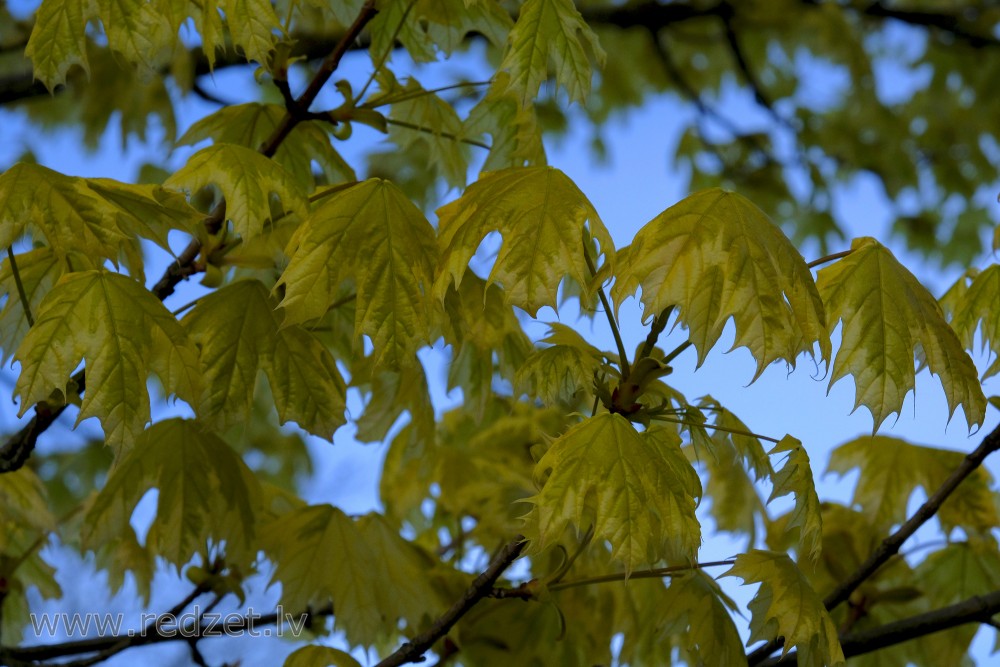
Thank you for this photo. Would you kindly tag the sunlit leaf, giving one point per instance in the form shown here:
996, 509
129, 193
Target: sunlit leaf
716, 256
371, 235
542, 217
888, 317
124, 334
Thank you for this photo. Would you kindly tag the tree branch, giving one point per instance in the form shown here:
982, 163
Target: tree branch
413, 650
16, 450
978, 609
890, 546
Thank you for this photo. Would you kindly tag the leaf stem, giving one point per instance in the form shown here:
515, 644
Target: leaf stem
446, 135
20, 287
676, 352
737, 431
829, 258
384, 56
659, 324
623, 356
655, 573
414, 94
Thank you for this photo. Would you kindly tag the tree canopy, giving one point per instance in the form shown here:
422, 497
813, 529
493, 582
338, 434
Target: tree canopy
557, 512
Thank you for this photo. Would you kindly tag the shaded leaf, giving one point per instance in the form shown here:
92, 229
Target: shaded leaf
637, 489
787, 606
206, 493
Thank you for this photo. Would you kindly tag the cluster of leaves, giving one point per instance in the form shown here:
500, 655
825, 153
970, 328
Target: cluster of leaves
585, 461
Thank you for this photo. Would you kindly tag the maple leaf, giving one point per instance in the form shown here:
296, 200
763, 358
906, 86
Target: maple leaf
58, 40
515, 136
550, 36
238, 334
424, 118
888, 316
246, 179
123, 333
562, 372
973, 308
787, 606
320, 656
206, 492
891, 469
39, 271
251, 23
372, 576
251, 124
136, 30
637, 489
542, 217
716, 256
88, 220
702, 620
796, 477
372, 235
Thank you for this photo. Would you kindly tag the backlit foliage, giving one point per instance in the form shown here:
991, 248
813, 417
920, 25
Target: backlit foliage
330, 284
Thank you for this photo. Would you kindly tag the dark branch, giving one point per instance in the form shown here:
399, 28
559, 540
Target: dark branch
978, 609
482, 586
890, 546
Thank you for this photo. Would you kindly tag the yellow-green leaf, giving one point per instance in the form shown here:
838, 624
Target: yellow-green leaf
250, 24
123, 333
891, 469
562, 372
206, 492
39, 270
888, 317
550, 37
372, 235
251, 124
699, 614
136, 30
787, 606
58, 40
716, 256
975, 308
247, 180
543, 219
796, 477
320, 656
238, 334
637, 489
370, 575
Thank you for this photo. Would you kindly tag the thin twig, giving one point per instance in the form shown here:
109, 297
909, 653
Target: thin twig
829, 258
414, 650
676, 352
428, 130
414, 94
725, 429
